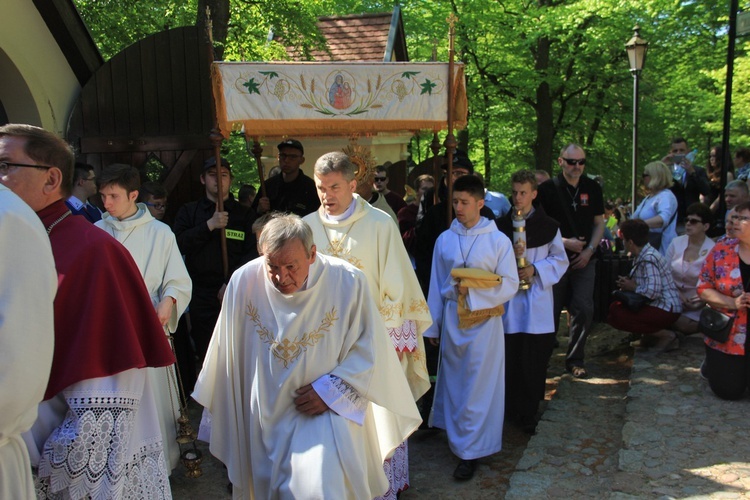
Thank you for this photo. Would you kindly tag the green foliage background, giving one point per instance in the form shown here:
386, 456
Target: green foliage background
539, 73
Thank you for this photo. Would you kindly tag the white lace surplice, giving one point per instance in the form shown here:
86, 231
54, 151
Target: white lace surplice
108, 445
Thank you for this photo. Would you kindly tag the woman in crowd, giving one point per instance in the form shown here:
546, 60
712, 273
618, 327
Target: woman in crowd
723, 284
650, 276
659, 208
686, 255
713, 169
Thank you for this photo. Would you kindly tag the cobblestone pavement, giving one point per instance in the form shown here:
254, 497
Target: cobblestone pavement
655, 431
668, 436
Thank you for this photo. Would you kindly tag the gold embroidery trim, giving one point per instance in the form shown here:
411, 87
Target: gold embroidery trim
287, 351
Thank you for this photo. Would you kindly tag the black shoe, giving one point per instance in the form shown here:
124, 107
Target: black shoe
465, 470
527, 423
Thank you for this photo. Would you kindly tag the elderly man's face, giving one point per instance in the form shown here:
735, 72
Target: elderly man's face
28, 183
289, 266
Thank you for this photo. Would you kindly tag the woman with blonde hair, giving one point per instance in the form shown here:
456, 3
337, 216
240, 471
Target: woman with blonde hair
659, 208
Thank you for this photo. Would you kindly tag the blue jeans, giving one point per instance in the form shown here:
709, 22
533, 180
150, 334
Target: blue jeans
576, 291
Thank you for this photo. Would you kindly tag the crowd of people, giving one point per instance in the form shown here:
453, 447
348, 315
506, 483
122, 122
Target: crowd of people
307, 306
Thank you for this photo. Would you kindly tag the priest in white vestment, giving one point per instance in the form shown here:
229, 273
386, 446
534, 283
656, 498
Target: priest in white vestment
296, 368
153, 246
26, 335
348, 227
470, 390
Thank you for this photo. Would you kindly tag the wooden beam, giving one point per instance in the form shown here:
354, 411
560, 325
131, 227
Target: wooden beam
175, 173
155, 143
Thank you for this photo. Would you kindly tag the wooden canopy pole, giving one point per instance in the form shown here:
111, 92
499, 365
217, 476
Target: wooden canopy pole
436, 166
257, 151
450, 139
216, 140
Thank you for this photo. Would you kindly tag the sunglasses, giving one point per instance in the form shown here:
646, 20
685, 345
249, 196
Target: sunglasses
693, 221
380, 179
571, 161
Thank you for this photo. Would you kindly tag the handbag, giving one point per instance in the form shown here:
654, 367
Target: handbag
715, 325
632, 300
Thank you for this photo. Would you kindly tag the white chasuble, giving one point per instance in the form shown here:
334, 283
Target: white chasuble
470, 392
370, 241
265, 346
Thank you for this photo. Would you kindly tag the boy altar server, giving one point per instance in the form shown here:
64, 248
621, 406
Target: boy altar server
528, 320
473, 274
154, 249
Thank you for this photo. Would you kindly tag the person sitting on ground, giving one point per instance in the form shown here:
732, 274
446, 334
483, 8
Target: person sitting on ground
686, 255
659, 208
723, 283
154, 196
650, 276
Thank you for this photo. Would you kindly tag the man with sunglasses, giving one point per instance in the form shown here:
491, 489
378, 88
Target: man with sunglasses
380, 184
290, 191
577, 204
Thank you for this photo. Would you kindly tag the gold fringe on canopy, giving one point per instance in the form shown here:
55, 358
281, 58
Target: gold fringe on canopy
307, 99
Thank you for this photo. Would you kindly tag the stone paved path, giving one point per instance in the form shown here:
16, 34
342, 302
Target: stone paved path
655, 432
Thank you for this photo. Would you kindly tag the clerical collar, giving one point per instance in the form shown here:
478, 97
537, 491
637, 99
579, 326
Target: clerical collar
348, 213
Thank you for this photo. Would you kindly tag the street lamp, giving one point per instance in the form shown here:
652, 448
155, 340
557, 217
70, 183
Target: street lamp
636, 48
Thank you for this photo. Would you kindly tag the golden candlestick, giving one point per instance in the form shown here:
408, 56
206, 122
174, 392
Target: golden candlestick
519, 236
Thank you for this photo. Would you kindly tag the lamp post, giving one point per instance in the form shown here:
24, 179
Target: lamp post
636, 48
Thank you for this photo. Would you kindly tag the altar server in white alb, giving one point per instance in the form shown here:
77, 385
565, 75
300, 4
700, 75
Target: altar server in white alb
26, 335
528, 320
295, 368
348, 227
473, 275
154, 249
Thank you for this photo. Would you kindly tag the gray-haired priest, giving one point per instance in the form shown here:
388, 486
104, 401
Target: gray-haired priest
296, 365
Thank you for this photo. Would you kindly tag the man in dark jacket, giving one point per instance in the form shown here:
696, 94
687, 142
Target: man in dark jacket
198, 228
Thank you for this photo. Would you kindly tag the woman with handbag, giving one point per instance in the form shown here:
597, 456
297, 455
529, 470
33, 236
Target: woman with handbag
650, 278
723, 284
659, 208
686, 255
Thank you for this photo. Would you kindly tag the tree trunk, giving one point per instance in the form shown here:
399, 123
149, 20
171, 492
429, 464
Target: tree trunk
220, 19
545, 130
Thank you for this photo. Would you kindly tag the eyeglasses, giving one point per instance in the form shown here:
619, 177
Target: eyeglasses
380, 179
572, 161
5, 166
739, 218
284, 156
157, 206
693, 221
